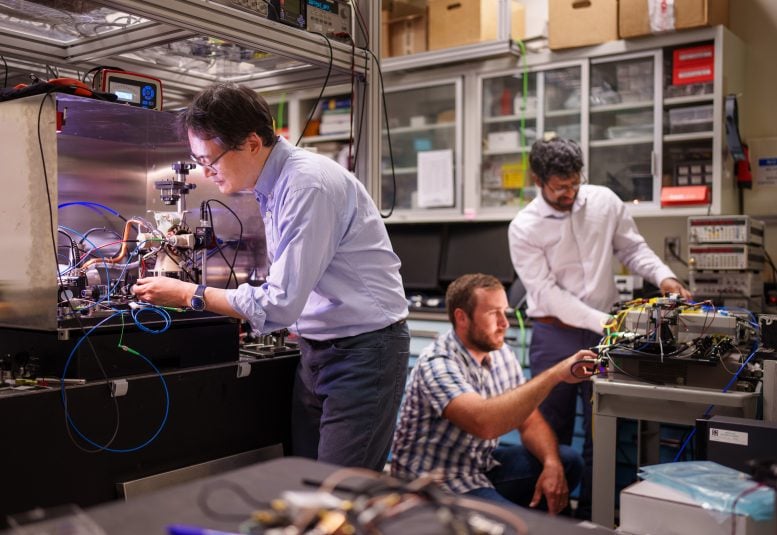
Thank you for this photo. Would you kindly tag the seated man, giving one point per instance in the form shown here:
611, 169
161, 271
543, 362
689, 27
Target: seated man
466, 390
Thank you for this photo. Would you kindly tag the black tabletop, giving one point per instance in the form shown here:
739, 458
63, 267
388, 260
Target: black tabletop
221, 502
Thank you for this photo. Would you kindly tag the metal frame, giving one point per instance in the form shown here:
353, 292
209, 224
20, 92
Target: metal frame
175, 20
246, 29
640, 401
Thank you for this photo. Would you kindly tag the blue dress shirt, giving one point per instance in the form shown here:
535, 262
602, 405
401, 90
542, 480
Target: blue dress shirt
333, 272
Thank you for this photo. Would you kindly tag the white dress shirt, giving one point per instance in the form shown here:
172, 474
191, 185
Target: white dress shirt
564, 259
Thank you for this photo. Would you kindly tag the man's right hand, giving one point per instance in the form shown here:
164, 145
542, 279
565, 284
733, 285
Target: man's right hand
571, 370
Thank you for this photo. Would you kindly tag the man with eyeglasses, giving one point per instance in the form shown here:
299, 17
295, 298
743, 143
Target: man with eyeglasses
562, 244
333, 279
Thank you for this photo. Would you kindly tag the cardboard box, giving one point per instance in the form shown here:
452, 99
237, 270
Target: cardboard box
574, 23
634, 19
385, 41
407, 29
460, 22
649, 508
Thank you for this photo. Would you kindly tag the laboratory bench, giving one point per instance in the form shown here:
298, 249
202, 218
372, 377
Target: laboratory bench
82, 445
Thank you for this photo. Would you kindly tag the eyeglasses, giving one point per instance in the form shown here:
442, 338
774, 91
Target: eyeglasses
571, 188
211, 166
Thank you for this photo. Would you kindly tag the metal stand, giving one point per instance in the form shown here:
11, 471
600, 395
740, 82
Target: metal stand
770, 390
641, 401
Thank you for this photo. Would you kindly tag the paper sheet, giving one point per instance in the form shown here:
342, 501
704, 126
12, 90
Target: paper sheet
435, 179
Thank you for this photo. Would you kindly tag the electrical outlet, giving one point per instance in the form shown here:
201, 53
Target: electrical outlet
671, 247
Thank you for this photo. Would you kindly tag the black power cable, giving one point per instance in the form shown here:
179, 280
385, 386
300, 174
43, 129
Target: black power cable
237, 245
388, 139
97, 359
363, 27
323, 87
5, 66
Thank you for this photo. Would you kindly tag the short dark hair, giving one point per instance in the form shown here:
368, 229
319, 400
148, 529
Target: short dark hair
228, 113
555, 157
460, 292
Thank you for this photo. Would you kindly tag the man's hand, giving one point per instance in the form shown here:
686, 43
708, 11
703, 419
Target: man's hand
572, 370
553, 485
673, 286
164, 291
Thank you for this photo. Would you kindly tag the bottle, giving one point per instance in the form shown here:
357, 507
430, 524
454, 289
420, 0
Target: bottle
506, 102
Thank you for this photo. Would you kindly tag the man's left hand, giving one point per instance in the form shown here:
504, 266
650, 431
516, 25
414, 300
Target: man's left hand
673, 286
553, 485
164, 291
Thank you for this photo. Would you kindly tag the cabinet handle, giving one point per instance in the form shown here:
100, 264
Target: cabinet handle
653, 162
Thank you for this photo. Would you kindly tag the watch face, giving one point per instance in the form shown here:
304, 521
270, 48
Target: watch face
198, 299
198, 303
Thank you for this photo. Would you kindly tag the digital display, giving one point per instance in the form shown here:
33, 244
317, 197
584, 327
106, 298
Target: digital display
134, 89
323, 5
125, 92
291, 8
291, 12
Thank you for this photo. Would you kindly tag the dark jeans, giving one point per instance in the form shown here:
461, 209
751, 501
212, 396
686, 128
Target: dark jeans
515, 478
549, 345
346, 396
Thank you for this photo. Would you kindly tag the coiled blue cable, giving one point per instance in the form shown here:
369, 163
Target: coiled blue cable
64, 396
160, 311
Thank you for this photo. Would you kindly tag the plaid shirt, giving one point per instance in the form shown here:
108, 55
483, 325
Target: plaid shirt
424, 440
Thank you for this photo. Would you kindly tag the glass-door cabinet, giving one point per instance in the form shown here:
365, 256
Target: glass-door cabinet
562, 102
625, 126
509, 127
421, 169
689, 115
517, 109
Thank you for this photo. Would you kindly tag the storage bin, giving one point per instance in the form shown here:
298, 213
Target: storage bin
690, 119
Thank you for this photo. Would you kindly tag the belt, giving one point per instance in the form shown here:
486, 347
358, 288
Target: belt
553, 320
328, 342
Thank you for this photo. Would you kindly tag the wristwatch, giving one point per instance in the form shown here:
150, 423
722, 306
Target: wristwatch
198, 299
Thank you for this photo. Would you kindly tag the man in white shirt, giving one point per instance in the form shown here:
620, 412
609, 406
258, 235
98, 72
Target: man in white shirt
562, 246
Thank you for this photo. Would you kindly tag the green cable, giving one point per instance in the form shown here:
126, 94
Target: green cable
131, 351
522, 329
281, 105
121, 334
522, 133
121, 338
